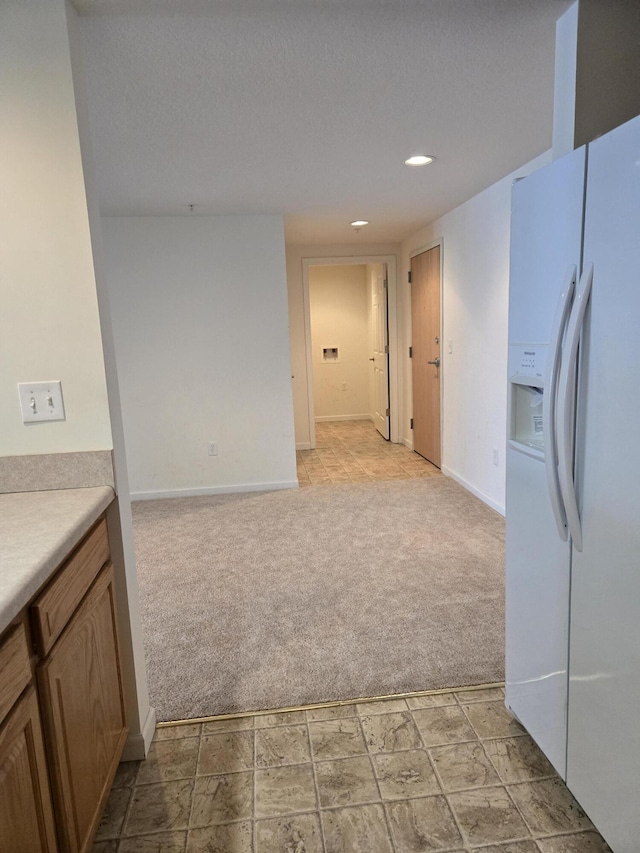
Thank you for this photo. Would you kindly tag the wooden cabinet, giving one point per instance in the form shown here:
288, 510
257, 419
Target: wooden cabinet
55, 777
26, 816
83, 714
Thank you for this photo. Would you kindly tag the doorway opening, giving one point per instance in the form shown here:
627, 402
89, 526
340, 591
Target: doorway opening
349, 349
351, 342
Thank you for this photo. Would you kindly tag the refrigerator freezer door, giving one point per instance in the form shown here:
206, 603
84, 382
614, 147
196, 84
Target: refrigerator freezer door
546, 239
604, 688
537, 608
546, 236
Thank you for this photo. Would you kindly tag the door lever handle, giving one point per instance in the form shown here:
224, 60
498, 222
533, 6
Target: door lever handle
435, 361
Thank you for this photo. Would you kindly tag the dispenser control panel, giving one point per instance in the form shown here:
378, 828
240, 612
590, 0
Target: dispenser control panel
527, 360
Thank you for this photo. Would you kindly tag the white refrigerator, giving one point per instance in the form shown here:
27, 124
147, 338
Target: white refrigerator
573, 475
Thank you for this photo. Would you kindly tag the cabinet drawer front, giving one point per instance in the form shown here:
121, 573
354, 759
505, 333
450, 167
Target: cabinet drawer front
15, 671
53, 609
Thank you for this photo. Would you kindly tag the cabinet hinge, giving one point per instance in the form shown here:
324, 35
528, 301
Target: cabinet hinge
388, 412
411, 424
410, 352
409, 276
386, 284
386, 348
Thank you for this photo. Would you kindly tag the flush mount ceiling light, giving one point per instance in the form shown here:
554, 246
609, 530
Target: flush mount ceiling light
419, 160
358, 223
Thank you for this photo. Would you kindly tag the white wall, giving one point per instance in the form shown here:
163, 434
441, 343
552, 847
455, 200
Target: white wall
339, 318
200, 324
49, 327
140, 715
297, 311
475, 311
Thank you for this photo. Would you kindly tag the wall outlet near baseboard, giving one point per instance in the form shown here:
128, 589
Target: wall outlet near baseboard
496, 458
212, 448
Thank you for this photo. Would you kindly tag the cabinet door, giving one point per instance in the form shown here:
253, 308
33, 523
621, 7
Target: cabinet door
83, 714
26, 817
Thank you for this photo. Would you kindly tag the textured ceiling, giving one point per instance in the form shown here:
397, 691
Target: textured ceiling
309, 107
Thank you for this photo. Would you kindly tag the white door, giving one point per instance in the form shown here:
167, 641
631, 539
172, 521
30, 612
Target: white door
380, 360
603, 759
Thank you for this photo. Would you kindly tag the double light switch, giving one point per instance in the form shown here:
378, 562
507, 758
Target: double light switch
41, 401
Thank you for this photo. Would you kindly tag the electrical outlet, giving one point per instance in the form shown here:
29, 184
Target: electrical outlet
495, 457
450, 346
212, 448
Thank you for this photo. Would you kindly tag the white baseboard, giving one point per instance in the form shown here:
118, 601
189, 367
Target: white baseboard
321, 418
484, 498
138, 744
408, 442
213, 490
303, 445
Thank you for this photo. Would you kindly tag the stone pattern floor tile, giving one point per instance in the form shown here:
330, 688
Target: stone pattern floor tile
583, 842
170, 759
282, 745
442, 772
518, 759
346, 782
463, 765
284, 790
335, 712
235, 724
548, 807
443, 725
355, 452
436, 700
390, 732
359, 829
159, 842
337, 738
423, 825
222, 799
159, 807
403, 775
225, 752
298, 833
177, 732
487, 815
231, 838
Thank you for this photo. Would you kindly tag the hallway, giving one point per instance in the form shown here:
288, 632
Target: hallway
355, 452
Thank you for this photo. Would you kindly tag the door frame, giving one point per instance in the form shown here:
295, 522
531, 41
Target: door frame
392, 324
443, 352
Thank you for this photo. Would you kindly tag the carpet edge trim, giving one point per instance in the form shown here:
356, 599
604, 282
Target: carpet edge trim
336, 704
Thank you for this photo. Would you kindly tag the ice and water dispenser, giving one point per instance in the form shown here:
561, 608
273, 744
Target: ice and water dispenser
526, 398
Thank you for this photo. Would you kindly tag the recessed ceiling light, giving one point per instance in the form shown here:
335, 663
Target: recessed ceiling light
358, 223
419, 160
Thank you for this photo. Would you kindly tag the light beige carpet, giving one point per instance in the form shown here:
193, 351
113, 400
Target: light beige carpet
270, 599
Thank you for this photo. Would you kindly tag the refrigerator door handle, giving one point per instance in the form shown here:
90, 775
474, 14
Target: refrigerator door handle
549, 425
566, 405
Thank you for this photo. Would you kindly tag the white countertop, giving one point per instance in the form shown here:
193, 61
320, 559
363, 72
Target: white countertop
37, 532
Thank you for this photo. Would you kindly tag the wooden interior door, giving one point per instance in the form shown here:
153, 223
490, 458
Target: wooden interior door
425, 331
380, 350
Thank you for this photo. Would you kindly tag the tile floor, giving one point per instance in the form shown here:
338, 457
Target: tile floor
355, 452
442, 772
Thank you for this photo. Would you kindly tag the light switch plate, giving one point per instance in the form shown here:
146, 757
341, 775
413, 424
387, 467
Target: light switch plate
41, 401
